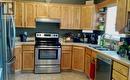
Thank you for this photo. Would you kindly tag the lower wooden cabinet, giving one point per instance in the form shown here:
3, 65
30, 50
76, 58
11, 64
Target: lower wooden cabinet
66, 57
118, 76
28, 59
18, 55
88, 53
120, 71
78, 58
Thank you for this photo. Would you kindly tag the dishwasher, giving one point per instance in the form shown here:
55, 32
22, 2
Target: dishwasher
103, 68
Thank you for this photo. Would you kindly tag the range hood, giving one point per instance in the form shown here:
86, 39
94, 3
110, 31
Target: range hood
47, 20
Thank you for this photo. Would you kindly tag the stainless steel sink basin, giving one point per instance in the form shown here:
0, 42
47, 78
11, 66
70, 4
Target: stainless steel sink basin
103, 49
98, 47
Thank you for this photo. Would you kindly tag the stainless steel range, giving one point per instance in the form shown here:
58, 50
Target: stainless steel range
47, 53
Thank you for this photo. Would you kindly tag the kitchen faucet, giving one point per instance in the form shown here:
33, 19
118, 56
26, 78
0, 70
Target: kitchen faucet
110, 41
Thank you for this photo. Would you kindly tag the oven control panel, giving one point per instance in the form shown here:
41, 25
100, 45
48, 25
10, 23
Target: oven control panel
46, 35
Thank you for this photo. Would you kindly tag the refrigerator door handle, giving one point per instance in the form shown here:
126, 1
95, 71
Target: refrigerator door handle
13, 26
11, 61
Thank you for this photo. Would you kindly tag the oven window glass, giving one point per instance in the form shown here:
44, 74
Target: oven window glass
48, 54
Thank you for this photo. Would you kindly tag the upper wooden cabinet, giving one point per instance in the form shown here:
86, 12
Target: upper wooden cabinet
128, 5
76, 12
121, 15
30, 15
19, 17
54, 11
25, 15
87, 17
66, 17
70, 17
41, 10
78, 58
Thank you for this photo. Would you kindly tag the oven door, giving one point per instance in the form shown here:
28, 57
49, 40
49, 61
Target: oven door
47, 56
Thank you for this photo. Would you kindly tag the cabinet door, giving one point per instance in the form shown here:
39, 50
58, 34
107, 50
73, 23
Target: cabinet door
18, 55
121, 15
78, 58
66, 17
128, 5
28, 60
76, 12
19, 17
41, 10
87, 17
88, 53
66, 60
87, 64
30, 15
118, 76
54, 11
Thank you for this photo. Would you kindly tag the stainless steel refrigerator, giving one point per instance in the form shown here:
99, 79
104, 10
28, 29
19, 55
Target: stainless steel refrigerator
7, 44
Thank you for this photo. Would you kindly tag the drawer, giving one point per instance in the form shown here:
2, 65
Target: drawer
88, 51
66, 52
118, 76
28, 47
67, 48
28, 52
120, 68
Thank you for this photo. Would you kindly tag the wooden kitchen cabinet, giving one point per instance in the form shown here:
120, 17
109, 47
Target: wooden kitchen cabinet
118, 76
87, 17
70, 17
76, 12
19, 15
121, 15
28, 58
54, 11
30, 15
18, 55
41, 10
120, 71
88, 53
78, 58
66, 58
66, 17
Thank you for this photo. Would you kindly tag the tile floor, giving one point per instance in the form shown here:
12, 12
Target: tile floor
61, 76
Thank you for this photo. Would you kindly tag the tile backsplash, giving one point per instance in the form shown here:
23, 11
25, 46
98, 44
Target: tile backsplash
45, 27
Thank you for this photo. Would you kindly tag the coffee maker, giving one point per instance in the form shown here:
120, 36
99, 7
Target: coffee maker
92, 38
23, 37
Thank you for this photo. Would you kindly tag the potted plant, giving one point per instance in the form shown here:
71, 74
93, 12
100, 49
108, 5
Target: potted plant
122, 51
129, 52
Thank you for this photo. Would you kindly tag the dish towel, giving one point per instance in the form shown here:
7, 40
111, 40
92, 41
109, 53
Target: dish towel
92, 71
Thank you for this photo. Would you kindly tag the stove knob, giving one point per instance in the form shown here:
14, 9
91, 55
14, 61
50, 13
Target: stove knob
55, 35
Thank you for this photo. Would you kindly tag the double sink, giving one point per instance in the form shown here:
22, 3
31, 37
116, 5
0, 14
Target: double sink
101, 48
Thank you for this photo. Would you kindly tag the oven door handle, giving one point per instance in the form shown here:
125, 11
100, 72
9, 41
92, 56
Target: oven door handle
47, 48
47, 66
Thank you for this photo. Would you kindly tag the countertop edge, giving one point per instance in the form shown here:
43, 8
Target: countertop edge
115, 57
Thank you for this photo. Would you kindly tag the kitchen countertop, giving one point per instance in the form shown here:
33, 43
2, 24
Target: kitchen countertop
24, 43
110, 54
